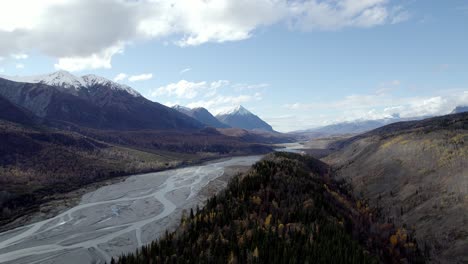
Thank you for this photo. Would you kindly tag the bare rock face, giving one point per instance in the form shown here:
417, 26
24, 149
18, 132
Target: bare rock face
417, 173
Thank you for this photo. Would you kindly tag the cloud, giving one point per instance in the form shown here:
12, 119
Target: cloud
216, 96
188, 90
221, 103
244, 86
140, 77
378, 106
185, 70
19, 66
19, 56
94, 61
120, 77
86, 34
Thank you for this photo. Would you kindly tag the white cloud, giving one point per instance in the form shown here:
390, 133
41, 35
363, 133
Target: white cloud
222, 103
94, 61
140, 77
185, 70
2, 70
378, 106
244, 86
120, 77
184, 89
19, 66
86, 34
19, 56
216, 96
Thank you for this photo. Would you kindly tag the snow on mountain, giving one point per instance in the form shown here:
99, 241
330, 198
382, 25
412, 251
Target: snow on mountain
238, 110
67, 80
181, 108
202, 115
60, 78
92, 80
239, 117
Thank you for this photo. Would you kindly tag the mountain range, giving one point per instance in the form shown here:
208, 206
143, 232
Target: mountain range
237, 117
90, 101
353, 127
202, 115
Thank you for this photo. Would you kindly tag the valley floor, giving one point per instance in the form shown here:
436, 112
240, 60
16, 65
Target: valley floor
119, 217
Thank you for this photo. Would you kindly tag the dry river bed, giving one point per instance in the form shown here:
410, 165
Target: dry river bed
121, 217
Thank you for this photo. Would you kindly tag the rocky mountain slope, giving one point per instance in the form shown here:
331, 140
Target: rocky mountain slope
417, 174
240, 117
202, 115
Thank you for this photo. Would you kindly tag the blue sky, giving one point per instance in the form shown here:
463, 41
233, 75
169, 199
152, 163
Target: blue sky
295, 66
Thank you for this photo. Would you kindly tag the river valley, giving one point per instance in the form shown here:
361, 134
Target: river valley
118, 218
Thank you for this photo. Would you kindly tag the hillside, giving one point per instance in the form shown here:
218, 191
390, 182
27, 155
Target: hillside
416, 173
36, 163
284, 210
12, 112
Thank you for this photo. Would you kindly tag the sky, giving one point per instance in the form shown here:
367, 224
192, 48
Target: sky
297, 64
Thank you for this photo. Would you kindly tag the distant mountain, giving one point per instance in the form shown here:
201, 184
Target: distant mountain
353, 127
240, 117
202, 115
91, 101
460, 109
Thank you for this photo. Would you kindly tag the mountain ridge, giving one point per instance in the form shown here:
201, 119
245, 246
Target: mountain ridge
101, 104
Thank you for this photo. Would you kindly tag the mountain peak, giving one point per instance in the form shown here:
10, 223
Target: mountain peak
181, 107
240, 117
67, 80
238, 110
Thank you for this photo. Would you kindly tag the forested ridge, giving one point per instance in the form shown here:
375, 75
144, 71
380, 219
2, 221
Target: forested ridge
284, 210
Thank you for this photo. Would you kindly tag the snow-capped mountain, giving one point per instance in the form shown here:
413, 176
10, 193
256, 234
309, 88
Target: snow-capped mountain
71, 82
238, 110
90, 101
202, 115
240, 117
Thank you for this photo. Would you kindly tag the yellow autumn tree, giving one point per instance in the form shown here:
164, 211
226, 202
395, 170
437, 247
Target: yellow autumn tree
255, 253
268, 220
